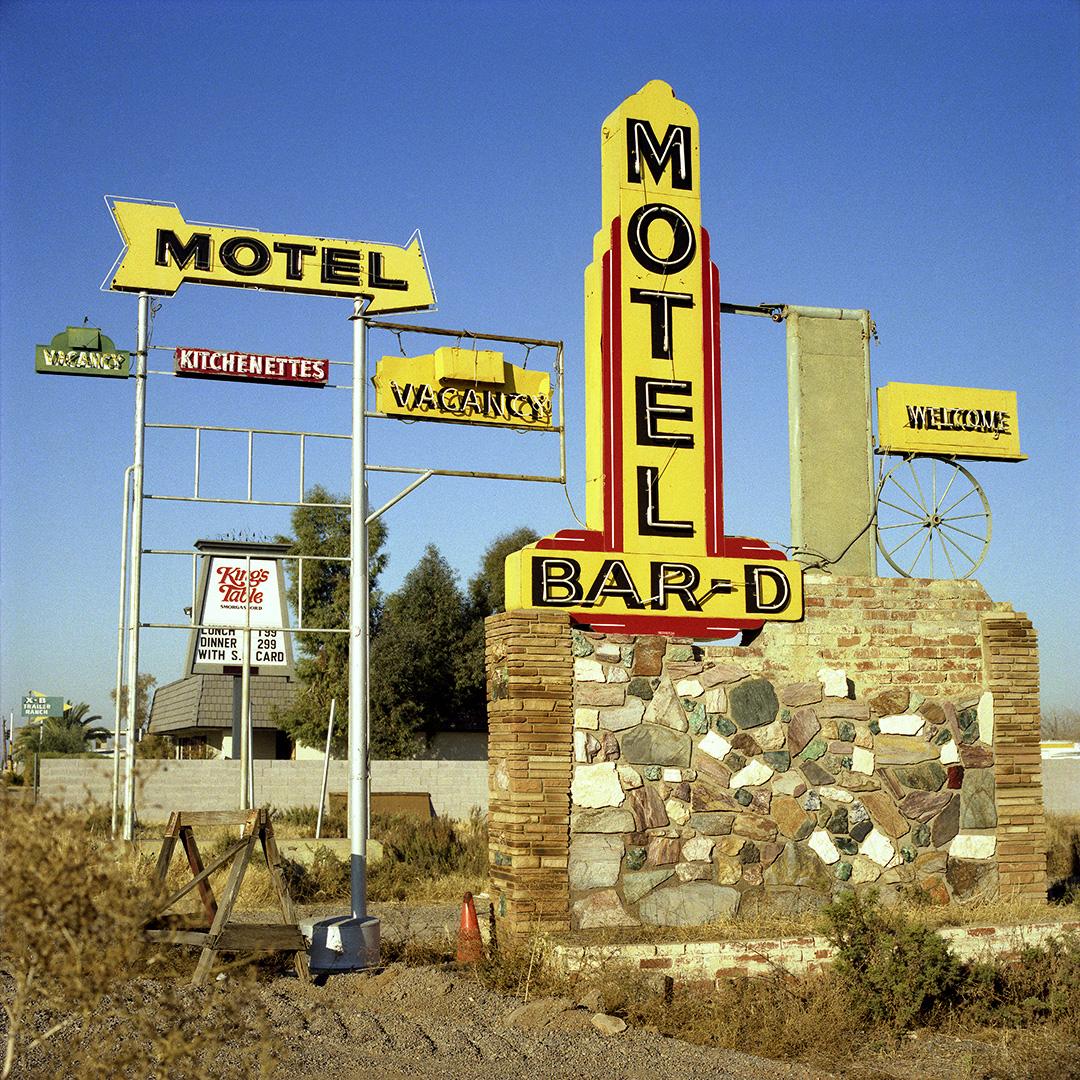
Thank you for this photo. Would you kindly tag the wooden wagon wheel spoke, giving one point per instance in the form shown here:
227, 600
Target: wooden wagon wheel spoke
966, 495
948, 557
918, 486
914, 501
894, 550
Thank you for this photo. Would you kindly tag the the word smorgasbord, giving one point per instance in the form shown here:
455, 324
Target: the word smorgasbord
654, 557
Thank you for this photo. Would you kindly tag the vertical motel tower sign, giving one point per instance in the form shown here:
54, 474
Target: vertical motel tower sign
654, 558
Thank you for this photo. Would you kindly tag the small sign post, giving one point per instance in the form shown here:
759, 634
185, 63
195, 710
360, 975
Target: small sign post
241, 596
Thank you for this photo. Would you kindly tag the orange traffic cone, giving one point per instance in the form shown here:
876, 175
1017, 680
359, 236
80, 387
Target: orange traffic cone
470, 949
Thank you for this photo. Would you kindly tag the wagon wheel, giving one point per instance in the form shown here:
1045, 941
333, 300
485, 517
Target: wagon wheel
926, 503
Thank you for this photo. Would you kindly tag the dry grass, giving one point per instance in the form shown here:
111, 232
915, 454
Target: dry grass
80, 988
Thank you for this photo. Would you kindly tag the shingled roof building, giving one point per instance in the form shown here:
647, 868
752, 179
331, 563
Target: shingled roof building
198, 713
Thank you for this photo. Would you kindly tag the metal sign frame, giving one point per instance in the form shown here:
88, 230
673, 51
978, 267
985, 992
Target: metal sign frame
363, 945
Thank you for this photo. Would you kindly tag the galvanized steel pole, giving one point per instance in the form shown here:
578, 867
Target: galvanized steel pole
136, 561
358, 625
120, 653
325, 770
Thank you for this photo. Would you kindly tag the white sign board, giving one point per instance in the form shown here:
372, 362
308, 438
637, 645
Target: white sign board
238, 591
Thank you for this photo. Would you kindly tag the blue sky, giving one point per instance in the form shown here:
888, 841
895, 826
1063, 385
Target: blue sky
916, 159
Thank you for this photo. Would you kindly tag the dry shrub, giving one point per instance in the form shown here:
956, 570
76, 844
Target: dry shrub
327, 878
300, 821
1063, 857
427, 859
80, 988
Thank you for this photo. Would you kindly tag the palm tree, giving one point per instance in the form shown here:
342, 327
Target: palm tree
68, 734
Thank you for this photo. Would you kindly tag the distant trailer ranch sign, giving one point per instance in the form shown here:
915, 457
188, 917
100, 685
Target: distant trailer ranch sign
251, 367
33, 705
162, 251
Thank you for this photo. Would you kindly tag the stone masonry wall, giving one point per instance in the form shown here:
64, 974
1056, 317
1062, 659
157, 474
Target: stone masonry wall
530, 721
1011, 658
700, 790
855, 749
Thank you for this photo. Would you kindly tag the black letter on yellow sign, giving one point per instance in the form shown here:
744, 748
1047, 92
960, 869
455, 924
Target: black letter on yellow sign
641, 143
168, 245
650, 523
661, 304
683, 240
755, 574
260, 255
650, 411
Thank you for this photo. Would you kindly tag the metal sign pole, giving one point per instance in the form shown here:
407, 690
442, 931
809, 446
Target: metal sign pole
136, 561
245, 695
351, 942
325, 770
358, 626
120, 652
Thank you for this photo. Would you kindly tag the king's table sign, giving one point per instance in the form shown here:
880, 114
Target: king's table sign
654, 557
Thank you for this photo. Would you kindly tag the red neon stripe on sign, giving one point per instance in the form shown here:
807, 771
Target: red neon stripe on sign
713, 416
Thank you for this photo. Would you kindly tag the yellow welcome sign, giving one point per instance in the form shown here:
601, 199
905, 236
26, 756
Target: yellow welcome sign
654, 557
163, 251
957, 421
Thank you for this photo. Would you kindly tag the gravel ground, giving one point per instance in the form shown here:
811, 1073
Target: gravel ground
432, 1023
437, 1022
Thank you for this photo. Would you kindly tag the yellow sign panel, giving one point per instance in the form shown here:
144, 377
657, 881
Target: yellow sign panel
654, 557
163, 251
959, 421
636, 592
473, 386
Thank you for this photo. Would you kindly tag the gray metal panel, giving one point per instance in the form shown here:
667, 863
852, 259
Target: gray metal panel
830, 439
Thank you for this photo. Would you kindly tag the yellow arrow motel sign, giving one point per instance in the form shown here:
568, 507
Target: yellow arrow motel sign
654, 557
162, 251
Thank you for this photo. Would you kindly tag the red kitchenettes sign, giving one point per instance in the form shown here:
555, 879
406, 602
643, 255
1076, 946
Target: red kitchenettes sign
251, 367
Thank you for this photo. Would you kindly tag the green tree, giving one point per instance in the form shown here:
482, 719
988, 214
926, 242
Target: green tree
143, 685
416, 671
487, 596
72, 733
322, 663
487, 588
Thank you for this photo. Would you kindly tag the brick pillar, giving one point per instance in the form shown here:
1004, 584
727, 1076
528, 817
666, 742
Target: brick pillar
1011, 666
530, 679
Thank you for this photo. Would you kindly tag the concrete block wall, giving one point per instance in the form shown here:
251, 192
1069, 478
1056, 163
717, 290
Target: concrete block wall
456, 787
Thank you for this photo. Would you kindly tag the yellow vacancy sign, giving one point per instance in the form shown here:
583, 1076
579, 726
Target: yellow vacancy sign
958, 421
163, 250
463, 386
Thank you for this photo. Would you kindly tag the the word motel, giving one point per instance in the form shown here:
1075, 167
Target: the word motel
163, 251
654, 557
